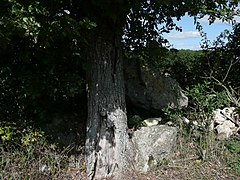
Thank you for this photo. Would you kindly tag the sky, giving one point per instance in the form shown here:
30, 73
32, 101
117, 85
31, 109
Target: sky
190, 38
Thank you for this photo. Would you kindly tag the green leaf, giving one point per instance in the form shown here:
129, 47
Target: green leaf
30, 8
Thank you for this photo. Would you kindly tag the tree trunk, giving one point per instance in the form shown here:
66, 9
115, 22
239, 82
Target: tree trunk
107, 138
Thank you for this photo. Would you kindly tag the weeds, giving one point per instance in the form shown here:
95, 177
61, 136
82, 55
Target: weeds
198, 148
233, 154
28, 155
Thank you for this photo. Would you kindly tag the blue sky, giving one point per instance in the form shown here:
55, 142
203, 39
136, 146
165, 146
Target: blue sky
190, 38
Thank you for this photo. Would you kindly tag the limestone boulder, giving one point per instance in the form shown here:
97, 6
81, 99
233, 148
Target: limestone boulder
226, 122
152, 144
148, 89
218, 116
225, 130
152, 121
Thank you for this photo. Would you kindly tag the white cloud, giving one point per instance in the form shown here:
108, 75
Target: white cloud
183, 35
237, 19
187, 46
217, 21
206, 21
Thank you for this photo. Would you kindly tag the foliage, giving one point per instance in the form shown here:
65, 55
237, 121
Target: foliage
174, 115
233, 146
204, 98
145, 25
219, 60
31, 137
222, 58
40, 69
42, 58
135, 122
6, 132
11, 133
186, 66
43, 46
197, 117
147, 20
235, 164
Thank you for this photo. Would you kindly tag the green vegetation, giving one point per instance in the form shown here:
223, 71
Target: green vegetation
198, 146
44, 50
233, 151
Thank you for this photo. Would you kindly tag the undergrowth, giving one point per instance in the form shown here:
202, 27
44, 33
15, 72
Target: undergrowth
27, 154
199, 152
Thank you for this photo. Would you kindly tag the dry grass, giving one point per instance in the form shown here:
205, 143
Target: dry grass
39, 162
188, 162
48, 162
195, 169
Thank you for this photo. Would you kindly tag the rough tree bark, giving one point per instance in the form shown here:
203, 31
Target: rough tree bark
107, 138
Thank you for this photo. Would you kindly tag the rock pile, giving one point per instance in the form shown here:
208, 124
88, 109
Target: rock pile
226, 122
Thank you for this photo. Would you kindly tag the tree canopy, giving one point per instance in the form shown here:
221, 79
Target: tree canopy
48, 46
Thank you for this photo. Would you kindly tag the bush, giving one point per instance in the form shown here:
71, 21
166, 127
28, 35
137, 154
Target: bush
11, 133
233, 148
